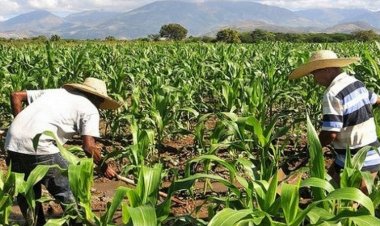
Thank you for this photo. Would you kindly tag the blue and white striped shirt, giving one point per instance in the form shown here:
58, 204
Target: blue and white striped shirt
347, 109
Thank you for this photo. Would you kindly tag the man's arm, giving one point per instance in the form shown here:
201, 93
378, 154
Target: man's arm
17, 99
378, 101
89, 146
327, 137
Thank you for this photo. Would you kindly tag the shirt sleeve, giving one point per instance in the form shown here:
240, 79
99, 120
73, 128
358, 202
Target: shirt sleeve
89, 125
372, 97
332, 114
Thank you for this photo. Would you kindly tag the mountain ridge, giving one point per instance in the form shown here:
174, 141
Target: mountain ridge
199, 18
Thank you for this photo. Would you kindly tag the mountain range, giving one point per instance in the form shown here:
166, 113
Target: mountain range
199, 18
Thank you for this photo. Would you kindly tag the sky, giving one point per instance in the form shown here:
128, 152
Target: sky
11, 8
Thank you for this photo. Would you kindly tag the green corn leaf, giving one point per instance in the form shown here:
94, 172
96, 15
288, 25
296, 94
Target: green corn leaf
270, 196
125, 216
349, 194
358, 159
368, 180
143, 215
81, 187
317, 182
133, 198
317, 163
57, 222
190, 110
315, 150
352, 194
115, 203
149, 183
36, 175
229, 217
319, 214
290, 201
231, 169
358, 217
248, 166
71, 158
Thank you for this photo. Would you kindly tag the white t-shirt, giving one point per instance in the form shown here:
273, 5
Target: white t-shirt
58, 110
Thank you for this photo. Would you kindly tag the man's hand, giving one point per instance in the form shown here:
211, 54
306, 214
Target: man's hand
89, 146
327, 137
108, 171
378, 101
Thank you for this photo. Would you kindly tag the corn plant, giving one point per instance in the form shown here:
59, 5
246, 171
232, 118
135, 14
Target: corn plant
269, 208
11, 184
142, 207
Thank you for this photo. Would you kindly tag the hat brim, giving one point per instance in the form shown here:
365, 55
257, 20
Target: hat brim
108, 102
307, 68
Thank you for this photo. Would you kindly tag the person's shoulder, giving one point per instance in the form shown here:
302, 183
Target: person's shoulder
84, 104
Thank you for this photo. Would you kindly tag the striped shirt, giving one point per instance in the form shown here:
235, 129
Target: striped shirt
347, 109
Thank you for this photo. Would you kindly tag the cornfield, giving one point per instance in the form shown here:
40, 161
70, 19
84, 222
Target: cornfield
171, 90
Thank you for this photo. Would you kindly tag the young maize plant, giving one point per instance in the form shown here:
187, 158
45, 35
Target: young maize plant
11, 184
266, 202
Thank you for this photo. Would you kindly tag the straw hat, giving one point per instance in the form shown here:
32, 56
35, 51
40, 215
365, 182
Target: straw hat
96, 87
321, 59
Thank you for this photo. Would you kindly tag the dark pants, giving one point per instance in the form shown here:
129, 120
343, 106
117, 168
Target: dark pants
56, 183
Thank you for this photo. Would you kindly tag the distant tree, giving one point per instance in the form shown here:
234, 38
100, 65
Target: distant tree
261, 35
173, 31
40, 38
245, 37
142, 39
154, 37
110, 38
207, 39
318, 38
228, 35
364, 36
193, 39
55, 37
340, 37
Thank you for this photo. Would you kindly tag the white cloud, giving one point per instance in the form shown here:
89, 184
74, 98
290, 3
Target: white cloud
8, 8
76, 5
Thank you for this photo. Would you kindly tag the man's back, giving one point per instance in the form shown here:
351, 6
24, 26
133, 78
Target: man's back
347, 109
58, 110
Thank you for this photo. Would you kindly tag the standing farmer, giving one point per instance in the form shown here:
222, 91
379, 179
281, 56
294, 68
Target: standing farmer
347, 109
70, 110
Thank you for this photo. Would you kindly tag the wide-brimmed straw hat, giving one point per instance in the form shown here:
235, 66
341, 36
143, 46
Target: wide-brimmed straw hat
95, 87
321, 59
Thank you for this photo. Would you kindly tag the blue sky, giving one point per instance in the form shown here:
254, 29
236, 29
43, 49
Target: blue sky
10, 8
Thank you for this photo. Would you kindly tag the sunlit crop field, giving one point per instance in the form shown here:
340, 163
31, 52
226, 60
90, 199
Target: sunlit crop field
244, 118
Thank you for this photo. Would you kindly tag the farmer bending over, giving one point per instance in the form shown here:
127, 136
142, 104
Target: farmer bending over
347, 110
70, 110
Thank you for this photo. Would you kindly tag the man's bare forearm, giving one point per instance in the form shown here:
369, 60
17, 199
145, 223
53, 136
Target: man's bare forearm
17, 100
89, 146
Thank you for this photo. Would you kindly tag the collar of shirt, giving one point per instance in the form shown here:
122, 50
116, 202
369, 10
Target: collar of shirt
337, 79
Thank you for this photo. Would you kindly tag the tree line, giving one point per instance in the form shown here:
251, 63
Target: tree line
177, 32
